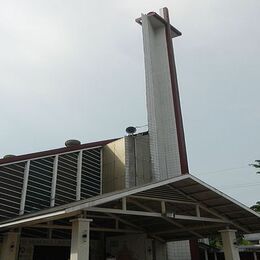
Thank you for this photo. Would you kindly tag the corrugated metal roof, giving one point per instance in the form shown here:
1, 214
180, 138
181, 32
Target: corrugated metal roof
181, 195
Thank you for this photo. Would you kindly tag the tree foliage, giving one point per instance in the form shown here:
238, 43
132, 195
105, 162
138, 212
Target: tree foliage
216, 241
256, 165
256, 207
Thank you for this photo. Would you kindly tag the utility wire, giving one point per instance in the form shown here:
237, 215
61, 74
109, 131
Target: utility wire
241, 185
223, 170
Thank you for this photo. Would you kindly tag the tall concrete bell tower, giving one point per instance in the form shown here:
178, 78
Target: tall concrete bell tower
166, 134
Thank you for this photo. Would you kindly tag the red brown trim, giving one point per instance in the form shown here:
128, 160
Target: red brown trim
176, 98
194, 250
55, 151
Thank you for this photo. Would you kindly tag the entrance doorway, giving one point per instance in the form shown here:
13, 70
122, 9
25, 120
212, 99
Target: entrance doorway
51, 253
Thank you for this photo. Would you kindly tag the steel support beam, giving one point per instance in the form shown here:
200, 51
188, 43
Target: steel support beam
211, 211
79, 171
197, 210
124, 207
216, 226
54, 180
166, 200
126, 212
24, 190
169, 220
194, 218
136, 227
95, 229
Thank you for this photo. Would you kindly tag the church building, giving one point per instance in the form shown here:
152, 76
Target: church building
128, 198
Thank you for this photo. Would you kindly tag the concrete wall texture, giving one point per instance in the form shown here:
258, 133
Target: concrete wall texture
126, 163
138, 160
113, 166
179, 250
161, 118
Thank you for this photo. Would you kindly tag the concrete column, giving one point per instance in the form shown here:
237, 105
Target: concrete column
255, 256
10, 246
229, 244
206, 254
80, 239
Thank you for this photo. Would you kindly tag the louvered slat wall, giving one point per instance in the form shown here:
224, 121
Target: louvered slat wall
11, 181
40, 182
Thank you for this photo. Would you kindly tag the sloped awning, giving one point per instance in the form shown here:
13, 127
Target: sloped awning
179, 208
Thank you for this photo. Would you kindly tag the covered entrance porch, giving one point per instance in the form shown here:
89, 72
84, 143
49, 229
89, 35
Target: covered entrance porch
171, 210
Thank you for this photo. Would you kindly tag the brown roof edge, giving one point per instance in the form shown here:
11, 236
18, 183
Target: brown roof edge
55, 151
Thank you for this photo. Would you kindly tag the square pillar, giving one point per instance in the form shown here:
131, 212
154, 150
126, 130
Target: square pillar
229, 244
80, 239
10, 246
206, 254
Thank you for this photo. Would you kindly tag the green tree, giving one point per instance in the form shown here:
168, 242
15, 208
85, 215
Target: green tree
256, 207
256, 164
216, 241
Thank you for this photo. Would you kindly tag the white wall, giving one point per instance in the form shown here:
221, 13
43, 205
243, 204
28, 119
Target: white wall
179, 250
161, 117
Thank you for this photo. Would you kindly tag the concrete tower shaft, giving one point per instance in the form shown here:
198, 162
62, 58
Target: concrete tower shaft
167, 142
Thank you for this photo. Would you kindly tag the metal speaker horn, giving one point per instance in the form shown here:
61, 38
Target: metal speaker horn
130, 130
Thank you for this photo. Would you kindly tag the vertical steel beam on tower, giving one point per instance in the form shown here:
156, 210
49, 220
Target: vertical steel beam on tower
175, 94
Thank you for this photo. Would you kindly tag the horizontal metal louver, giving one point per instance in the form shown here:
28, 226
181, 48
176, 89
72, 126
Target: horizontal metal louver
11, 183
53, 180
90, 178
39, 184
66, 179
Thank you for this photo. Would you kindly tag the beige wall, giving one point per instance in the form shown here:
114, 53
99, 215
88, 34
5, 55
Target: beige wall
138, 160
113, 166
126, 163
10, 246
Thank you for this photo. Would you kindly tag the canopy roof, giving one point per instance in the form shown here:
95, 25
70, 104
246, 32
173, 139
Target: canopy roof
178, 208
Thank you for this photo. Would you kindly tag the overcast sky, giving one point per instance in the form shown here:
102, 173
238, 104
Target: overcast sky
74, 69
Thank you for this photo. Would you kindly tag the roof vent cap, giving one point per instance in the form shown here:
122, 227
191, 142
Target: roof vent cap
72, 142
8, 156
